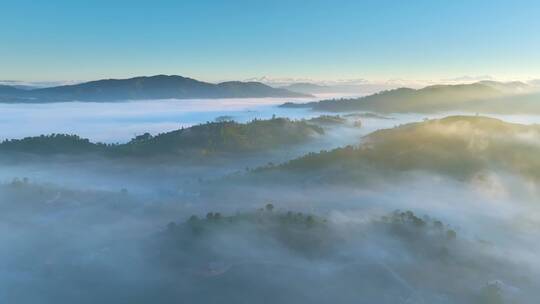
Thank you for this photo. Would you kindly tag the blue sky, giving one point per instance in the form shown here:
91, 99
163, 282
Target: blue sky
224, 40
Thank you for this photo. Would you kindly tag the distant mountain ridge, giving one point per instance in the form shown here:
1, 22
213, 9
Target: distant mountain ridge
6, 89
307, 88
145, 87
484, 96
359, 89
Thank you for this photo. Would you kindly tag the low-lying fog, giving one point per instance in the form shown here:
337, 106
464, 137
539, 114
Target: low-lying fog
65, 246
121, 121
95, 231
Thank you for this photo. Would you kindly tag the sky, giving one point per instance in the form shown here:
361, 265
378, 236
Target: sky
310, 39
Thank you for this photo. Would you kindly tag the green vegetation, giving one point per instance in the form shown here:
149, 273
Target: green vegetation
328, 120
227, 136
204, 139
416, 256
459, 146
407, 225
305, 234
52, 144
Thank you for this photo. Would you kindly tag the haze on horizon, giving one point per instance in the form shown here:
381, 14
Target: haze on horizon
213, 41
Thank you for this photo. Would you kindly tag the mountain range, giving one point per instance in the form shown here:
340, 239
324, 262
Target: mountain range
138, 88
483, 96
359, 89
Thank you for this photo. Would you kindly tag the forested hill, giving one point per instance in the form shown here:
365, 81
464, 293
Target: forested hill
208, 138
462, 147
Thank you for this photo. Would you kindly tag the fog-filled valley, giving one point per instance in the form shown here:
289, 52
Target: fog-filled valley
269, 152
242, 201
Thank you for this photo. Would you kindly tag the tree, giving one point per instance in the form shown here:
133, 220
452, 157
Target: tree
269, 207
143, 137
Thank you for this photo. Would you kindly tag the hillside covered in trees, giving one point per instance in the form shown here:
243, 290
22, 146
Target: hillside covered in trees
204, 139
261, 250
458, 146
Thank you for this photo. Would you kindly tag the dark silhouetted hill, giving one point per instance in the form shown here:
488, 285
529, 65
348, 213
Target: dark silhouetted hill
140, 88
